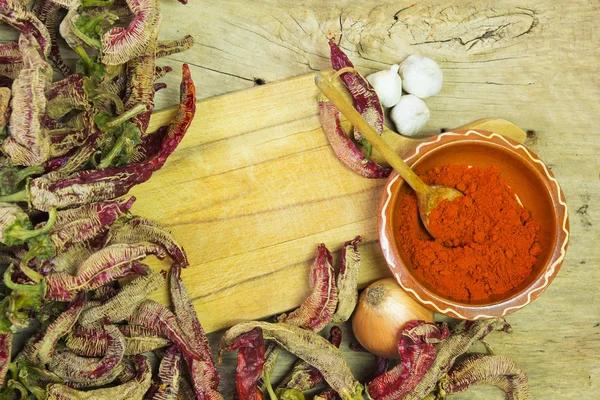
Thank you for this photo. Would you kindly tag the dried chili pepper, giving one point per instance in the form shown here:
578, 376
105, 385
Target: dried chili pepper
48, 13
343, 146
5, 95
42, 350
365, 98
303, 376
11, 60
15, 14
169, 375
463, 336
5, 350
74, 368
133, 389
137, 229
122, 305
165, 48
482, 369
15, 227
159, 71
155, 316
120, 45
317, 309
150, 145
416, 347
250, 360
92, 342
57, 190
347, 281
66, 95
28, 144
310, 347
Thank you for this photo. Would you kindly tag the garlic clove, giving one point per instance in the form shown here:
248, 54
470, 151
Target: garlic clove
421, 76
387, 85
410, 115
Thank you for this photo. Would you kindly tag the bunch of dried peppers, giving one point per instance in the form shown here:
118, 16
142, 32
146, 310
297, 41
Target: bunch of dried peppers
71, 149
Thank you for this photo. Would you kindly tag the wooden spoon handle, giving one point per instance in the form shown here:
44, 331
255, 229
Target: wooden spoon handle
395, 161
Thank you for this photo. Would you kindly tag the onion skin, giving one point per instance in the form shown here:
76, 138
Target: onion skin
382, 311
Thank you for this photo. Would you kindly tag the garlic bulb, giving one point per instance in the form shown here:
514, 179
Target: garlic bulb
387, 85
410, 115
382, 311
421, 76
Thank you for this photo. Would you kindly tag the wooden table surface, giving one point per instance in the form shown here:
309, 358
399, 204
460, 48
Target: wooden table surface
534, 63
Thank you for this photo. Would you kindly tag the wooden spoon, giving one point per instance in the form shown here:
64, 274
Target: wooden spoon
428, 196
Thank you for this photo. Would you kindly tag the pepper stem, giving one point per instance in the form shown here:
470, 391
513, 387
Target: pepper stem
22, 234
132, 112
116, 149
15, 197
272, 394
84, 56
28, 171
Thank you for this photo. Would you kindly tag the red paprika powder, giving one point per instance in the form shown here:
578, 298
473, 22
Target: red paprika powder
485, 242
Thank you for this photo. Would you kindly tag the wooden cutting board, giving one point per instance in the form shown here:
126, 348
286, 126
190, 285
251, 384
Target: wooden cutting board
251, 192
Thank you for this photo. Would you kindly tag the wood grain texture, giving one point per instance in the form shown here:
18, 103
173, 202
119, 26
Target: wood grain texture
531, 62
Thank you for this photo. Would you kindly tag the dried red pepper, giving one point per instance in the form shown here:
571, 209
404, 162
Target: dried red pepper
165, 48
343, 146
48, 12
11, 60
17, 15
482, 369
416, 347
169, 375
133, 389
309, 346
250, 361
303, 376
317, 309
347, 281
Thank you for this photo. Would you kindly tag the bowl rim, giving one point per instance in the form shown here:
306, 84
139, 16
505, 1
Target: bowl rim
462, 310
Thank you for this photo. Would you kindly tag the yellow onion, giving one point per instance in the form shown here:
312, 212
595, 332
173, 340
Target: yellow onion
382, 311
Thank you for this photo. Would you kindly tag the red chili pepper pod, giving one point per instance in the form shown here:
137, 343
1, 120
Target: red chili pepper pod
250, 361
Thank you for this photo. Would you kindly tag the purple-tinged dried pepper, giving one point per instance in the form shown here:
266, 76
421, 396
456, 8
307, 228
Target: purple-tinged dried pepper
17, 15
92, 342
122, 305
159, 71
133, 389
29, 144
49, 14
57, 190
317, 309
155, 316
463, 336
66, 95
250, 361
416, 347
11, 60
150, 145
120, 45
5, 350
304, 376
42, 350
365, 98
165, 48
139, 229
483, 369
347, 281
169, 375
309, 346
74, 368
343, 146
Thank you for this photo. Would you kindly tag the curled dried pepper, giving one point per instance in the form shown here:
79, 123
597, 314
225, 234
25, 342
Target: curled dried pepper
416, 347
463, 336
137, 229
169, 375
28, 144
343, 146
42, 350
482, 369
48, 13
250, 361
304, 376
133, 389
120, 45
122, 305
74, 368
312, 348
57, 190
365, 98
17, 15
317, 309
155, 316
347, 281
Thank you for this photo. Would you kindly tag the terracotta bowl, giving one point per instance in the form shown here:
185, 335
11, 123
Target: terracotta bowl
533, 183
